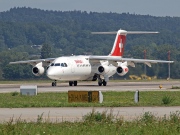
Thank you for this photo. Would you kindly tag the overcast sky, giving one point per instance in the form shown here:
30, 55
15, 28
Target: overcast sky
143, 7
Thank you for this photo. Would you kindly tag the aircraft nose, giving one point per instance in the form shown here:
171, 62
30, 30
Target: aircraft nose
51, 73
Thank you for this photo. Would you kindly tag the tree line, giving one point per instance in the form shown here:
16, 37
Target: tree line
67, 33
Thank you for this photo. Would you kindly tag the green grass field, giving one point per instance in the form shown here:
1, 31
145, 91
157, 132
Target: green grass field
111, 99
96, 123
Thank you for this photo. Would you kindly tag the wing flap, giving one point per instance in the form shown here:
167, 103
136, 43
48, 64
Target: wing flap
148, 64
130, 63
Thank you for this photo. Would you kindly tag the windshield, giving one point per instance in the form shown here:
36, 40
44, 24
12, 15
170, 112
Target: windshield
59, 64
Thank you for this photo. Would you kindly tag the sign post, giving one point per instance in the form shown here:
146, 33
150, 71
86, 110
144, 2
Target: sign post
85, 96
136, 97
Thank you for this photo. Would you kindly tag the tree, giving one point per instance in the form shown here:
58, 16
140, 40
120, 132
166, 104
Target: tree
46, 51
14, 72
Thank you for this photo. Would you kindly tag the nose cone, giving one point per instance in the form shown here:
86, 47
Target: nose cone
51, 73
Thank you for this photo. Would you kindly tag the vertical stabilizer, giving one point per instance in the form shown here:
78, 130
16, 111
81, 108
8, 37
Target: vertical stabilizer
119, 44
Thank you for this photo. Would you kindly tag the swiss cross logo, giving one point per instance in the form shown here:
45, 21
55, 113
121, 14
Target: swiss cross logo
121, 46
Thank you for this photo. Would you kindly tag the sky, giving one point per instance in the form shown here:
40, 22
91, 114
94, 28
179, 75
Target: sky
142, 7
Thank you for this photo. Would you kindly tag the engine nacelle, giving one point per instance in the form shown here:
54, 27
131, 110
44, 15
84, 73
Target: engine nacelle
103, 69
122, 70
38, 70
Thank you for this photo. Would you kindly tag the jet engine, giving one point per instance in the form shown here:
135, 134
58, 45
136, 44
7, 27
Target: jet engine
122, 70
38, 70
103, 69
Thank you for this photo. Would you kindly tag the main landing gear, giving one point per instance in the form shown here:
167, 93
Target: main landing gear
101, 81
71, 83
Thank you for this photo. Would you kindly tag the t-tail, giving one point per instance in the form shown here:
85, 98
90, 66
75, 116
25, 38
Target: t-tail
119, 43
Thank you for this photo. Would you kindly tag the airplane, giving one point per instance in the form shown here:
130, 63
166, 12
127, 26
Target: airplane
92, 67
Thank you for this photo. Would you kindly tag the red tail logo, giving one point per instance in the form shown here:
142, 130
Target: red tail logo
119, 44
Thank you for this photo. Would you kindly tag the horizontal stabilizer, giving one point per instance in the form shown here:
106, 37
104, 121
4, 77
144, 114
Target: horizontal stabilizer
142, 32
113, 32
126, 32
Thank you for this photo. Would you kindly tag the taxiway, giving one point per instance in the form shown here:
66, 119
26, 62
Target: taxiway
111, 86
73, 114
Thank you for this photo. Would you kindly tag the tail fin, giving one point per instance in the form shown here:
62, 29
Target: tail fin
118, 47
119, 43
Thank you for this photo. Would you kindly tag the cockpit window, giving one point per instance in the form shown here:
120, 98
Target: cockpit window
65, 64
52, 64
57, 64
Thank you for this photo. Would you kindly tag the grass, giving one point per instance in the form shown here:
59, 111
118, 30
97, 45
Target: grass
111, 99
175, 87
167, 100
97, 124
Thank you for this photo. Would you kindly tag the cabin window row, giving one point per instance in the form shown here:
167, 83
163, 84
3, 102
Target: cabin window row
84, 65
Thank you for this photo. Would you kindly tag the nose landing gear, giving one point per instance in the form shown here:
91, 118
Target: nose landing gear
54, 83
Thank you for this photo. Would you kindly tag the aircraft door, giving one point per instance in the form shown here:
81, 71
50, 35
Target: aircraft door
72, 67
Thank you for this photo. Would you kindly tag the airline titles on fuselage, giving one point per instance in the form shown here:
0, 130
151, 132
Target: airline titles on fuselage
80, 63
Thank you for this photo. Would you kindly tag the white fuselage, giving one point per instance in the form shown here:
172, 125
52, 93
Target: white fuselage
75, 68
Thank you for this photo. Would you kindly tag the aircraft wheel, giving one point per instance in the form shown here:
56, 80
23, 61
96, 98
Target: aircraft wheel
53, 84
100, 83
75, 83
70, 83
104, 83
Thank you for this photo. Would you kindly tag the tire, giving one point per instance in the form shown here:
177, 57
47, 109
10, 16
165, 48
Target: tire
104, 83
70, 83
53, 84
75, 83
100, 83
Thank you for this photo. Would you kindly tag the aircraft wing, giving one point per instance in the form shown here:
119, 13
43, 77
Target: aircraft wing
130, 61
34, 62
